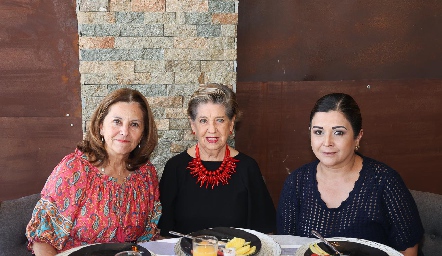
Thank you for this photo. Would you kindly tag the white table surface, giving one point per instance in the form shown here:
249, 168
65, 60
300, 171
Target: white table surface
289, 245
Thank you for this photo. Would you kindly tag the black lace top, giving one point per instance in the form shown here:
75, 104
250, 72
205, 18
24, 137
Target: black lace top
380, 208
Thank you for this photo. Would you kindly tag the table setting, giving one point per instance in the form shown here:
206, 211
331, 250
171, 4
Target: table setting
265, 245
284, 245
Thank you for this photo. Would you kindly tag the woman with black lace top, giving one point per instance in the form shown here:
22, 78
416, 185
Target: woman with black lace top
343, 193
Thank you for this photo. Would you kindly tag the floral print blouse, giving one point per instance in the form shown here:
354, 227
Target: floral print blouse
79, 205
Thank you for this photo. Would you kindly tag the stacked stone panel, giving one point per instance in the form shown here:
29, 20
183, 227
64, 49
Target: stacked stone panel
163, 48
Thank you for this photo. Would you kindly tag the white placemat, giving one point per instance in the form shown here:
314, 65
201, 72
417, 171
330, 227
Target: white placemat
268, 246
390, 251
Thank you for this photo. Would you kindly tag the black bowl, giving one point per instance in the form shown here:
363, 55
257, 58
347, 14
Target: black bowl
350, 248
108, 249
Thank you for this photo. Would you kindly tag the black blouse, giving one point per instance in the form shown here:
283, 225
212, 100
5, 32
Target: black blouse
243, 203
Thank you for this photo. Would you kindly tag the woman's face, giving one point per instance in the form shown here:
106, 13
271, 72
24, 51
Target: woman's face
122, 128
332, 138
211, 126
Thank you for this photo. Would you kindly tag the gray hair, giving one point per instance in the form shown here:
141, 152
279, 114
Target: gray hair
216, 94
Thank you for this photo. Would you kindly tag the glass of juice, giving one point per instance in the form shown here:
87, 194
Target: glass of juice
204, 246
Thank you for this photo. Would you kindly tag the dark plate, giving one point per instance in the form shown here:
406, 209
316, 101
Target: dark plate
350, 248
223, 234
109, 249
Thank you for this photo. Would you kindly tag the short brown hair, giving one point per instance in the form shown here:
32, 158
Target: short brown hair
92, 144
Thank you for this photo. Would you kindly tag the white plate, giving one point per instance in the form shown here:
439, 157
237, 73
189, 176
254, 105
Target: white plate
390, 251
268, 246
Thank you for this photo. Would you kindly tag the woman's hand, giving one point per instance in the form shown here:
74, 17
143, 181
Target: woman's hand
412, 251
43, 249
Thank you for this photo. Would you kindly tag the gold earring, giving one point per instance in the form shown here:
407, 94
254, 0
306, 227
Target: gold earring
357, 147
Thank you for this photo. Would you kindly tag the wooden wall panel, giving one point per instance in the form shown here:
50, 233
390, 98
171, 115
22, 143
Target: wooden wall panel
401, 122
40, 105
346, 40
31, 148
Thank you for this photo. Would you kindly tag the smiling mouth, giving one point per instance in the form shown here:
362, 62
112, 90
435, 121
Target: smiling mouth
212, 139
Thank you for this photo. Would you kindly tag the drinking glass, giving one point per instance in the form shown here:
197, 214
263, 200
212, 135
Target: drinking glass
204, 246
229, 251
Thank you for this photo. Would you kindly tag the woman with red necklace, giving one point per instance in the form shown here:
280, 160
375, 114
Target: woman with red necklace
212, 184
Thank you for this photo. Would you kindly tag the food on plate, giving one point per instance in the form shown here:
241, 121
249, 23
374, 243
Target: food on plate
226, 235
349, 246
236, 243
242, 247
316, 250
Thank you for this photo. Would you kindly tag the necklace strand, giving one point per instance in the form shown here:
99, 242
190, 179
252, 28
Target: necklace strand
104, 172
212, 178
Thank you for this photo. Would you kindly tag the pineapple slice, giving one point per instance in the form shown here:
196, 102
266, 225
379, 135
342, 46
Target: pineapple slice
243, 250
250, 252
236, 243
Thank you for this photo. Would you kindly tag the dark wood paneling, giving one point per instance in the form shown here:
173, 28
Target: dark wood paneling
39, 65
31, 148
40, 106
345, 40
401, 122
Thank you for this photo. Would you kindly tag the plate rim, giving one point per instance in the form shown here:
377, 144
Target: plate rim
99, 244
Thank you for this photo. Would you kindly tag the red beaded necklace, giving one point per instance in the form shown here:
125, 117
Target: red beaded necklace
212, 178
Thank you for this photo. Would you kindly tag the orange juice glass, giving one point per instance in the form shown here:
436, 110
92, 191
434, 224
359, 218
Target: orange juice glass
204, 246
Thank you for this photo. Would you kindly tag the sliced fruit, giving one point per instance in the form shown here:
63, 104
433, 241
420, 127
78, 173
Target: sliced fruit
317, 250
320, 250
251, 251
236, 243
313, 249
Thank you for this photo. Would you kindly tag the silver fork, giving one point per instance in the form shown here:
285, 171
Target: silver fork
220, 243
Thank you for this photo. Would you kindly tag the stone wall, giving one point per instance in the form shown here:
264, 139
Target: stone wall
163, 48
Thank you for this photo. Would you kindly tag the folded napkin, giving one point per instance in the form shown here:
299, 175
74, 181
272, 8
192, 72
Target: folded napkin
161, 247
